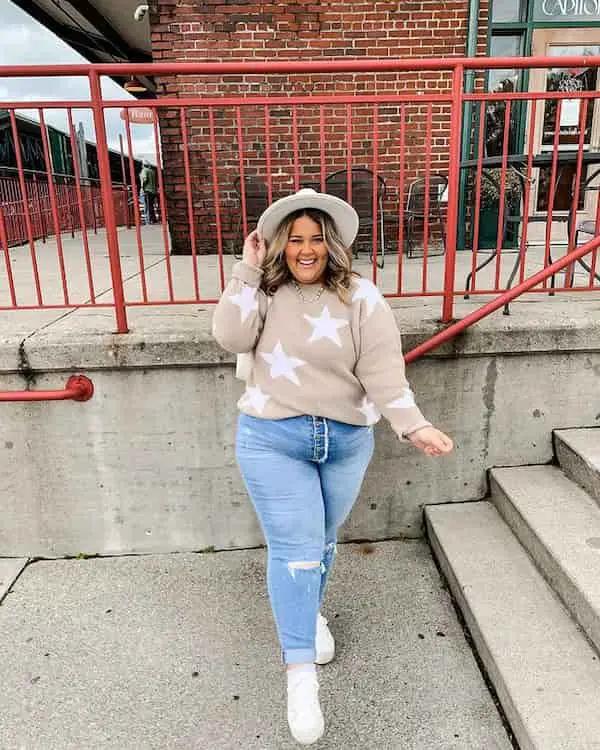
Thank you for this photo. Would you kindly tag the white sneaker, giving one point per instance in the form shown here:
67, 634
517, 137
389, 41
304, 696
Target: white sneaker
325, 645
304, 712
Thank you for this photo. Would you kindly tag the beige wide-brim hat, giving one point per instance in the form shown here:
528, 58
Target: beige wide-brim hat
342, 213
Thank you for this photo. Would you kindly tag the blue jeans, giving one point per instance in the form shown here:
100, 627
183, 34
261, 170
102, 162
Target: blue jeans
303, 476
149, 201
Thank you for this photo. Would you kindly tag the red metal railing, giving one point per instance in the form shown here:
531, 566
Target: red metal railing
275, 143
77, 388
53, 212
501, 301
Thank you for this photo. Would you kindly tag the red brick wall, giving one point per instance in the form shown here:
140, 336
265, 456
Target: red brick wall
214, 30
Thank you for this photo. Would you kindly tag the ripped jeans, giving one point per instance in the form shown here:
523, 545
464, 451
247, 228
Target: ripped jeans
303, 475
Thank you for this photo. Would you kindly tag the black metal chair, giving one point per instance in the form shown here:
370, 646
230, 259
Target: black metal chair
256, 198
418, 208
587, 226
362, 201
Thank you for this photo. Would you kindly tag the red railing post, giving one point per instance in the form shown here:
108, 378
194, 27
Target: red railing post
38, 204
110, 225
24, 201
127, 219
453, 190
6, 251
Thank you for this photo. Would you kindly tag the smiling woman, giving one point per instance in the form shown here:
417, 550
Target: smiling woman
307, 248
326, 364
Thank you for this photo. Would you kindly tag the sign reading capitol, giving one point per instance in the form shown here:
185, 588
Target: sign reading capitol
567, 10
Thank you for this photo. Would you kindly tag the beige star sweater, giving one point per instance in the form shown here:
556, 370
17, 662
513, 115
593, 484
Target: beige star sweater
315, 355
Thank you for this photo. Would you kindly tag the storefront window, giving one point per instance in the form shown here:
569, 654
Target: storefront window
504, 46
502, 81
504, 11
574, 80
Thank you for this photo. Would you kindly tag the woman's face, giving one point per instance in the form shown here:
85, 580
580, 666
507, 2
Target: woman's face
305, 253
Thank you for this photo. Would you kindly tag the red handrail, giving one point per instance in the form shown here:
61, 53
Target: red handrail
510, 294
356, 65
77, 388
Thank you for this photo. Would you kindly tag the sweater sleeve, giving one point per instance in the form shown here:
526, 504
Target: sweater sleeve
240, 313
380, 365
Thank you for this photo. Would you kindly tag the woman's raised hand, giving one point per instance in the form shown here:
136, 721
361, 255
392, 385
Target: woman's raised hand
254, 249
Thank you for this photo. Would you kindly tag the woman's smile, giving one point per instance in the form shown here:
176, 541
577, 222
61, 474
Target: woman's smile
306, 254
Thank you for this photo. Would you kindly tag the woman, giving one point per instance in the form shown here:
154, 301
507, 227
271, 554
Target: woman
326, 362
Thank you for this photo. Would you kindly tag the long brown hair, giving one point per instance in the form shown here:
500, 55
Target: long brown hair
338, 273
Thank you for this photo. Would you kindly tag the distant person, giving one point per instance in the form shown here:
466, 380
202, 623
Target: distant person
323, 362
148, 183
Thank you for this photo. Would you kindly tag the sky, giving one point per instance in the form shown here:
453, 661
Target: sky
24, 41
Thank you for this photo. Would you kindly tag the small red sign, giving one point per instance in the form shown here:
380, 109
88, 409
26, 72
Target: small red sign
139, 115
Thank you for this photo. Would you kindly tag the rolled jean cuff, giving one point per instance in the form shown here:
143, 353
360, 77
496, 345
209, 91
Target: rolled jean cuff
299, 655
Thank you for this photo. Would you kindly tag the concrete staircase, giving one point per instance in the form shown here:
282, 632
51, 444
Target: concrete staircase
524, 567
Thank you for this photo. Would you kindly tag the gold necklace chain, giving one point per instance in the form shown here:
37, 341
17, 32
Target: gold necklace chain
298, 288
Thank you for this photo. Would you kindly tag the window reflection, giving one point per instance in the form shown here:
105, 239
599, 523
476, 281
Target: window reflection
568, 80
506, 10
572, 80
502, 81
495, 114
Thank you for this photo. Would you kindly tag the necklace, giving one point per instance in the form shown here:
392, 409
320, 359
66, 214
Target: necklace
298, 288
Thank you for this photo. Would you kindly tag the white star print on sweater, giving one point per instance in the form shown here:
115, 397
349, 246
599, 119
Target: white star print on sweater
369, 409
326, 327
325, 357
246, 300
255, 398
281, 364
406, 402
369, 292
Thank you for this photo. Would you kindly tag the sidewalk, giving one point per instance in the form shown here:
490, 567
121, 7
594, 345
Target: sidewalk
177, 652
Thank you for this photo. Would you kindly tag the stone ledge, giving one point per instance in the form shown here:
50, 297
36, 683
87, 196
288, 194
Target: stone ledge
176, 337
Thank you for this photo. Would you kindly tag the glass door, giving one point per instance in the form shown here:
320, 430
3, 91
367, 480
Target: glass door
560, 43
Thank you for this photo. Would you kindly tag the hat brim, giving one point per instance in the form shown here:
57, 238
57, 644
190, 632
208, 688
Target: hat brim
342, 213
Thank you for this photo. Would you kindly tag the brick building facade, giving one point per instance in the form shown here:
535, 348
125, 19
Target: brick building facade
212, 30
322, 30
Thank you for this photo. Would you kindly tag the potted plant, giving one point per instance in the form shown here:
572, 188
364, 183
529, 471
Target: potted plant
489, 213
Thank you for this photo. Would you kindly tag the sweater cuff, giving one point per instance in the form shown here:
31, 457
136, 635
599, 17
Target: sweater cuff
251, 275
404, 435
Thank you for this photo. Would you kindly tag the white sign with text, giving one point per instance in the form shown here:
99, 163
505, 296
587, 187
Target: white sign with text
567, 10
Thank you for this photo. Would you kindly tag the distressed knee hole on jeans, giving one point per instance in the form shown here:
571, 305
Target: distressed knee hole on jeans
302, 565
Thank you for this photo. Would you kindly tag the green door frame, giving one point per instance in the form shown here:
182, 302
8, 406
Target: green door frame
471, 51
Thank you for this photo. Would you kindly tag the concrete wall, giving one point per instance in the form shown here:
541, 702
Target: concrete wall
148, 463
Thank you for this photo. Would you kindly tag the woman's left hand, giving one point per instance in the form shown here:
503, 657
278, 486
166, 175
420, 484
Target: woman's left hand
431, 441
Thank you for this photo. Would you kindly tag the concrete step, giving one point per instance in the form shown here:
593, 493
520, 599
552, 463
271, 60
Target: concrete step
544, 670
578, 453
558, 523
